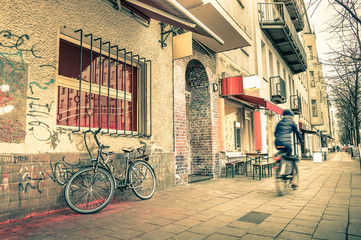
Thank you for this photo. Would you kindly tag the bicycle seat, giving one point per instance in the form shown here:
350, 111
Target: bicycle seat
130, 149
291, 157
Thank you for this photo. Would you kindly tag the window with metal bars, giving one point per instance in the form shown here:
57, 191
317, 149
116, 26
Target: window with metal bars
100, 85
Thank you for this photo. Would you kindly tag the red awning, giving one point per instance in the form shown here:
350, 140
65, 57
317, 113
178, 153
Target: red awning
258, 102
274, 108
232, 85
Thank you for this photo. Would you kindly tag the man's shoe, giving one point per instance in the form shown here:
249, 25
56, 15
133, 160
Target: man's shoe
294, 186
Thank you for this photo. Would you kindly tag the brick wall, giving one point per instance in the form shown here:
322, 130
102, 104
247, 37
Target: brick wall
199, 73
33, 184
200, 122
180, 124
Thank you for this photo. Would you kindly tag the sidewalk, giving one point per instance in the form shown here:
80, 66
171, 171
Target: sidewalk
327, 205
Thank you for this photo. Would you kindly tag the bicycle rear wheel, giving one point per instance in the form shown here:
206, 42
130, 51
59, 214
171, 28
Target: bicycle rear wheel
281, 183
89, 191
142, 179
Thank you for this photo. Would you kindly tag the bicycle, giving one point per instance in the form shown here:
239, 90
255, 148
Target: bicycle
286, 170
91, 188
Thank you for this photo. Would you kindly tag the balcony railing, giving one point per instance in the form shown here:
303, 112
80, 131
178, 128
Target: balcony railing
276, 22
293, 8
278, 89
271, 13
296, 105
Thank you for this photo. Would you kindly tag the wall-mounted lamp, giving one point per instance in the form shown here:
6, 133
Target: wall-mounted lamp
215, 87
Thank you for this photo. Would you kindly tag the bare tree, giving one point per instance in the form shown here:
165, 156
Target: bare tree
350, 6
344, 132
344, 82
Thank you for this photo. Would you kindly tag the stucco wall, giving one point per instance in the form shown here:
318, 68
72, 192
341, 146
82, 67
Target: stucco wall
29, 34
30, 141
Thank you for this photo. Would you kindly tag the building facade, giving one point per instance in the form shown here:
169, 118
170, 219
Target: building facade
200, 82
321, 120
67, 67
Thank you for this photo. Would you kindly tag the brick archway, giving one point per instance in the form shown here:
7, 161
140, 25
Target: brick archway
196, 140
198, 119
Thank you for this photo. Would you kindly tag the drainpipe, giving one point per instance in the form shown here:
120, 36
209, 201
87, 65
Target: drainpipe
174, 135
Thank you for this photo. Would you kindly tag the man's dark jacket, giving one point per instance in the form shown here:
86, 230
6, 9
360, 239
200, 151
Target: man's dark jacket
284, 129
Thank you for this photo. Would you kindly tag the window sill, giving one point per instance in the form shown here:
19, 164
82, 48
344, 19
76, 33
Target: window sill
103, 131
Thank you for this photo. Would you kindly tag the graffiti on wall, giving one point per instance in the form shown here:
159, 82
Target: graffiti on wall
17, 43
35, 176
13, 79
38, 114
11, 131
5, 106
26, 111
13, 91
4, 185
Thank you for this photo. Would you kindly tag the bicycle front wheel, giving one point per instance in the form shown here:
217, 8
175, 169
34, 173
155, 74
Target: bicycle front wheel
142, 179
89, 190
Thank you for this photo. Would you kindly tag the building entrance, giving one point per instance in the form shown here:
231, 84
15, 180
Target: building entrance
198, 120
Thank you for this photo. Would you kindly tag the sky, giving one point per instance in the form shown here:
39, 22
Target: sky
319, 19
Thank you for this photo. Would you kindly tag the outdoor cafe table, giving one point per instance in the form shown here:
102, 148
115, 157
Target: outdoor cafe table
254, 158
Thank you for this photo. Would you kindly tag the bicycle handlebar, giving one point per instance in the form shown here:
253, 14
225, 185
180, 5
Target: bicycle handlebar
141, 149
96, 140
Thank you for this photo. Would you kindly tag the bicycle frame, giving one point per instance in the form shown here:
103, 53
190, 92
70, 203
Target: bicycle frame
282, 155
91, 188
100, 160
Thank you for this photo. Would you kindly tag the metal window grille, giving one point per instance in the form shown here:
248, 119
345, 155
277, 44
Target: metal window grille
111, 87
278, 89
296, 105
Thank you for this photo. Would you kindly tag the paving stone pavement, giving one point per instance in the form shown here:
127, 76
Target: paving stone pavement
327, 205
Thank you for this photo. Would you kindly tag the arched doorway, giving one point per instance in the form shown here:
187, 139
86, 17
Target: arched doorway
198, 118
